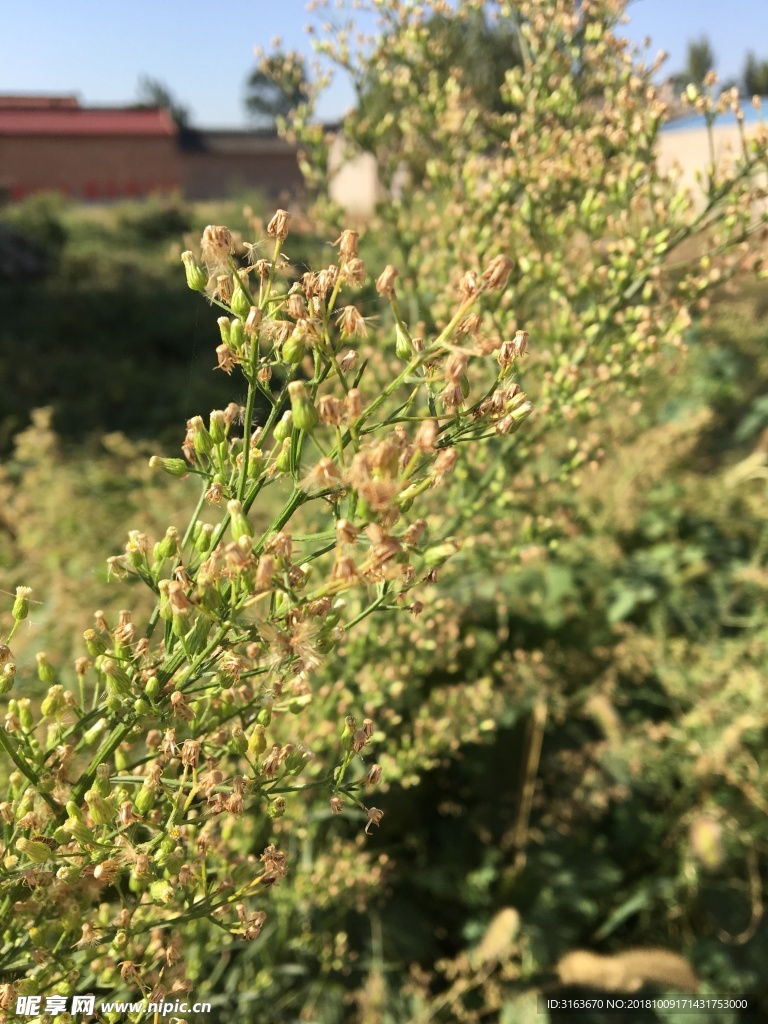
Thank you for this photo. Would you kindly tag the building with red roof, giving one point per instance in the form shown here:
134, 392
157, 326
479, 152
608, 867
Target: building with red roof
51, 143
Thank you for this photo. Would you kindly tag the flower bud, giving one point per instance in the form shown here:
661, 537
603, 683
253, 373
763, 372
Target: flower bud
101, 782
118, 680
168, 546
79, 832
53, 702
46, 673
201, 438
21, 604
218, 426
152, 688
283, 460
91, 735
73, 810
294, 348
225, 328
37, 851
204, 538
7, 677
240, 303
197, 278
403, 345
277, 807
237, 335
238, 742
95, 643
175, 467
257, 741
102, 811
284, 427
239, 524
145, 798
304, 412
348, 733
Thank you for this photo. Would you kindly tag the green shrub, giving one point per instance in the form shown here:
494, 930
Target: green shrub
569, 729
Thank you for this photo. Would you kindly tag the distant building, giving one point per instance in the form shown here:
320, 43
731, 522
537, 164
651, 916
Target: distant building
215, 164
51, 143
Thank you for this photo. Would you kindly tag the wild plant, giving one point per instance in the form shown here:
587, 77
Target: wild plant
134, 784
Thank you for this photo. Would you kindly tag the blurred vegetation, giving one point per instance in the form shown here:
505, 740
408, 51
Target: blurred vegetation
105, 317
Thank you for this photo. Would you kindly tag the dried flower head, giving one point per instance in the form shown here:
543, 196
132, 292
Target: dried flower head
278, 226
216, 246
347, 243
497, 272
385, 285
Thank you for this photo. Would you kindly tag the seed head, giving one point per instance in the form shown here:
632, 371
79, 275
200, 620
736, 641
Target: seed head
327, 278
374, 817
347, 243
216, 245
278, 226
348, 361
445, 462
426, 436
252, 321
469, 285
351, 322
226, 359
385, 285
330, 410
354, 403
497, 272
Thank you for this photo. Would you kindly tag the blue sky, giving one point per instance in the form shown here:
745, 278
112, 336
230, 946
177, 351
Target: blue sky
203, 51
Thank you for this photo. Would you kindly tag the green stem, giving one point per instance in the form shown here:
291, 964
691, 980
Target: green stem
8, 745
246, 440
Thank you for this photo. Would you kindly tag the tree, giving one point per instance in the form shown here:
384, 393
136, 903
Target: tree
701, 59
152, 93
755, 76
275, 87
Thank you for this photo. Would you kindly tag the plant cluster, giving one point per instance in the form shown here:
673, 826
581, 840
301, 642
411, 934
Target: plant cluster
130, 783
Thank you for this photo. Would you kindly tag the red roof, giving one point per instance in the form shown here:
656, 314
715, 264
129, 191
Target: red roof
85, 121
27, 102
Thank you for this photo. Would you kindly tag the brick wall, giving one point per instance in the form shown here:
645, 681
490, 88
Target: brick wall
217, 175
88, 167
